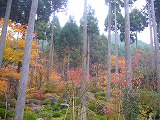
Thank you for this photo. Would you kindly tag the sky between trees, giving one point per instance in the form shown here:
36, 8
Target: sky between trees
75, 8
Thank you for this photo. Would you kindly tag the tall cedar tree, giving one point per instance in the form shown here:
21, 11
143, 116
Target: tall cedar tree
109, 53
157, 55
137, 23
127, 45
116, 38
4, 30
26, 62
57, 5
92, 30
83, 114
151, 33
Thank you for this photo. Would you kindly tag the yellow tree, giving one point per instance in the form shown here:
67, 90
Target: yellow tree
13, 53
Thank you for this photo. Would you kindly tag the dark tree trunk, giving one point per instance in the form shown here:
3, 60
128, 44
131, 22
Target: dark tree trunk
31, 76
17, 81
40, 81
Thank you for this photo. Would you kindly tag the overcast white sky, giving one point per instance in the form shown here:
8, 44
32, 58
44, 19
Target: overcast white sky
75, 8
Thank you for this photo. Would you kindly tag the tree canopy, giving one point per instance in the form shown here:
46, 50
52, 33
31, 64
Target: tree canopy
21, 9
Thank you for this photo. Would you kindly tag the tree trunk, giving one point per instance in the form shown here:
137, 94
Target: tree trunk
68, 64
52, 42
88, 54
19, 111
127, 45
116, 40
40, 80
42, 54
48, 73
51, 52
157, 55
4, 30
16, 83
151, 37
109, 53
136, 40
6, 97
41, 62
31, 77
83, 114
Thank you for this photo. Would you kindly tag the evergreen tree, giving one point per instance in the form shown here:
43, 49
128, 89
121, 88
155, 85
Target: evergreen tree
137, 22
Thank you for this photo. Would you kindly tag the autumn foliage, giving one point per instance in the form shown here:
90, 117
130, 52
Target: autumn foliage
62, 78
13, 53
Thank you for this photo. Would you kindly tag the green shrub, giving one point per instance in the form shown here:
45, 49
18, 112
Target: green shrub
29, 116
1, 96
10, 118
100, 117
56, 114
12, 103
158, 114
47, 114
101, 98
68, 117
31, 96
130, 106
77, 101
147, 100
61, 100
100, 93
63, 111
103, 94
10, 113
47, 95
90, 114
2, 113
69, 111
55, 106
92, 107
2, 105
52, 106
46, 101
